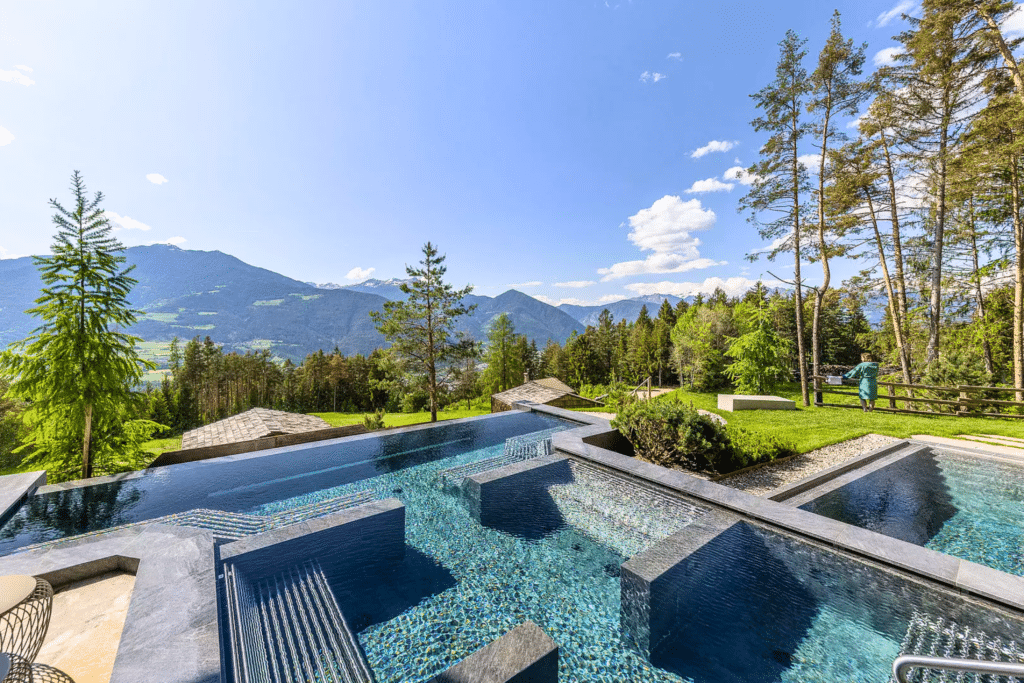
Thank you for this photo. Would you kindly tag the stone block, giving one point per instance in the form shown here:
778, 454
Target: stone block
523, 655
515, 498
734, 402
365, 538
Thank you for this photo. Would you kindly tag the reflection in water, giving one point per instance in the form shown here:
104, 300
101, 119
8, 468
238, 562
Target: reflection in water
909, 500
76, 511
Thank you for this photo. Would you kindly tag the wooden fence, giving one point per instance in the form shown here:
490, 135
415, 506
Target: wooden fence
963, 400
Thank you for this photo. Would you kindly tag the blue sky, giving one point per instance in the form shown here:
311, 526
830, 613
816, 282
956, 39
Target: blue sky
329, 140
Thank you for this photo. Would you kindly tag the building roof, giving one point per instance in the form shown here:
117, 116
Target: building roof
256, 423
556, 384
538, 391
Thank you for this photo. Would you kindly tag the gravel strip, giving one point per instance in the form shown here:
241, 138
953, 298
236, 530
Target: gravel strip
775, 474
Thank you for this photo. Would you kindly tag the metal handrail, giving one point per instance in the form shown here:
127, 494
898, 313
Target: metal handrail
903, 664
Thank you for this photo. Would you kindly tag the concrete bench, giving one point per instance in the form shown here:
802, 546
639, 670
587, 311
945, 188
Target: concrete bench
733, 402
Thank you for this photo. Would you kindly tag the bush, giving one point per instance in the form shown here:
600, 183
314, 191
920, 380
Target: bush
374, 421
757, 447
672, 434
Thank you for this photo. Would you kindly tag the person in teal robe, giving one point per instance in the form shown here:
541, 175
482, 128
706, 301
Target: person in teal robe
867, 373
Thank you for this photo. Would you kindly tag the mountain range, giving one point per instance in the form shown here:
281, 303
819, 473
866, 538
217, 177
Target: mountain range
184, 293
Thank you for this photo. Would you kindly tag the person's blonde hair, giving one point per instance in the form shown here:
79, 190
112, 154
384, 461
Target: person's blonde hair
866, 358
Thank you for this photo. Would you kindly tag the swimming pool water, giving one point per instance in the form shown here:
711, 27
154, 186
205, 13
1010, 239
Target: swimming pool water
757, 606
241, 483
967, 506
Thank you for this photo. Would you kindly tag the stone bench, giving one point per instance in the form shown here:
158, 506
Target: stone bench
733, 402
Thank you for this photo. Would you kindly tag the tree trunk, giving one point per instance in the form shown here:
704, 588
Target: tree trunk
935, 304
802, 358
86, 438
897, 322
1018, 280
819, 294
978, 294
1004, 50
897, 245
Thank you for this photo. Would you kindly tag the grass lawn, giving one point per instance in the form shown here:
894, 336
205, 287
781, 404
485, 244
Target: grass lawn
158, 446
404, 419
811, 428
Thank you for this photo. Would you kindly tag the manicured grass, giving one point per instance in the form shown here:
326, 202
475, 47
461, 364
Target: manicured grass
158, 446
811, 428
403, 419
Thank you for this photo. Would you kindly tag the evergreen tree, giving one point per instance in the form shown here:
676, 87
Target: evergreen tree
781, 181
79, 369
835, 91
421, 328
504, 369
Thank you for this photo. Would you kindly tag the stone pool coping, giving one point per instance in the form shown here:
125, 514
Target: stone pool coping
15, 488
587, 444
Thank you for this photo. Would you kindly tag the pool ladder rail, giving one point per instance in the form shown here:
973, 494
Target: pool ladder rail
288, 627
902, 667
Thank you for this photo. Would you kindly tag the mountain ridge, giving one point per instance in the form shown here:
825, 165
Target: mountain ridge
185, 293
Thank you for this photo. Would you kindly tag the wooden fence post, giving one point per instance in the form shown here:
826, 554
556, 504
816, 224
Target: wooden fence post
818, 398
891, 393
963, 408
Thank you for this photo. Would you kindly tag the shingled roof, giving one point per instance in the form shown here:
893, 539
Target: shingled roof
256, 423
556, 384
545, 391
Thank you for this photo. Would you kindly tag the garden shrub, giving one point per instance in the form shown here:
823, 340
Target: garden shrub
374, 421
672, 434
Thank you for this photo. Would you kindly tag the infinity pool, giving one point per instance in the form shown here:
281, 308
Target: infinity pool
968, 506
745, 604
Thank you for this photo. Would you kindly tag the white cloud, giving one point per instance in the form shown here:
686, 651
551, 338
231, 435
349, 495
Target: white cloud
658, 263
709, 185
22, 67
678, 56
533, 283
15, 77
886, 56
359, 274
903, 7
119, 222
649, 77
714, 146
6, 136
665, 230
156, 178
776, 244
575, 284
4, 254
733, 286
812, 162
1014, 26
740, 175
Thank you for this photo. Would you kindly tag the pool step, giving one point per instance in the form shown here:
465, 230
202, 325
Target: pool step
517, 449
288, 627
619, 514
940, 637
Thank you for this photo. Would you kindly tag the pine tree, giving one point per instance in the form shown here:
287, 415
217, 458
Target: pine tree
781, 181
79, 368
835, 91
421, 328
504, 370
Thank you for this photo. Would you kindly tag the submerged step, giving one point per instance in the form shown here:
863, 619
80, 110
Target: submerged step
282, 618
288, 627
934, 636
